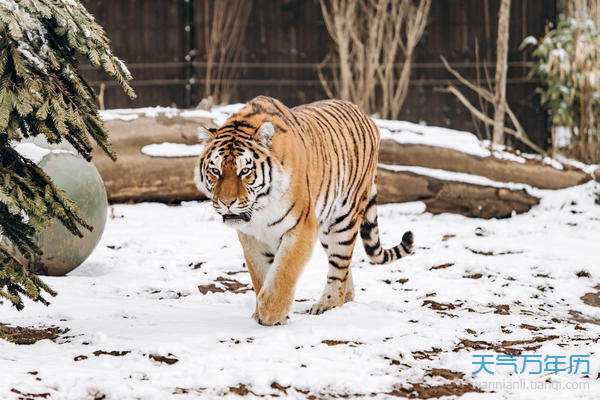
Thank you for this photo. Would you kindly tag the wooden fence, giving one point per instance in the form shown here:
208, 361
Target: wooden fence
162, 43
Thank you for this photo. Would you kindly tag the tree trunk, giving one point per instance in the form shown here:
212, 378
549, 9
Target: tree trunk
501, 68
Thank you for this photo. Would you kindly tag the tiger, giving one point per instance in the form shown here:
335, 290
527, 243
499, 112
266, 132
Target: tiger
283, 177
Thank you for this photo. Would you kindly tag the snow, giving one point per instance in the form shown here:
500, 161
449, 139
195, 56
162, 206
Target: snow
529, 41
402, 132
410, 133
167, 149
460, 177
138, 292
218, 114
34, 152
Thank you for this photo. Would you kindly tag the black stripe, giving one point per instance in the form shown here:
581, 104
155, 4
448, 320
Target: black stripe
347, 227
349, 241
371, 249
284, 215
345, 258
404, 247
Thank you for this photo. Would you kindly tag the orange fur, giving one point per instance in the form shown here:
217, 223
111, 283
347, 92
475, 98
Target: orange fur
283, 177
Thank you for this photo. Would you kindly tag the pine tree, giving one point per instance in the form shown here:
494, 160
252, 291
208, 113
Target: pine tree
43, 93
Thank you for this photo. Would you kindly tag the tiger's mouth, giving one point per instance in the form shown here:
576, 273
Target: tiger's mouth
236, 218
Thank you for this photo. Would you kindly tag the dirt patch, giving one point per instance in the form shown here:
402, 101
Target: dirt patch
579, 317
168, 359
592, 298
223, 284
448, 236
401, 281
441, 266
334, 342
420, 391
281, 388
583, 274
241, 390
426, 354
114, 353
502, 309
511, 347
27, 396
210, 288
434, 305
25, 336
446, 373
181, 390
473, 276
414, 391
493, 253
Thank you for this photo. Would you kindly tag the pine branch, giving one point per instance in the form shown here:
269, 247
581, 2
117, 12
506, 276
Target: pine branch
43, 93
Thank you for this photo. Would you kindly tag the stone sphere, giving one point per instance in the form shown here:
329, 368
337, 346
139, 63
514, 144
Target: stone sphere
80, 180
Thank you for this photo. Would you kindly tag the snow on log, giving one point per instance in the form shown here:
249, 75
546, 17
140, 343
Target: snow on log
509, 168
450, 171
446, 192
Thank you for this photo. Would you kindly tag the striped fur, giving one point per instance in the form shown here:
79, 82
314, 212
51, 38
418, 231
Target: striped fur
285, 177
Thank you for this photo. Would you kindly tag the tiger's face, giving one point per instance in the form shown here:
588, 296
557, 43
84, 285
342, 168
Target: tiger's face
238, 172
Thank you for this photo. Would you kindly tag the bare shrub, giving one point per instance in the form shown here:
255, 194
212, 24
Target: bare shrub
224, 28
374, 45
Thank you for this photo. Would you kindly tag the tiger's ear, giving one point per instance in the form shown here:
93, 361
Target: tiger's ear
265, 133
205, 133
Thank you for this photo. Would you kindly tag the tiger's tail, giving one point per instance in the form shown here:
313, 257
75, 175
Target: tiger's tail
369, 232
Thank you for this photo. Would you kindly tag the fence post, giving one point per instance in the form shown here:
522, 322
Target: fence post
189, 51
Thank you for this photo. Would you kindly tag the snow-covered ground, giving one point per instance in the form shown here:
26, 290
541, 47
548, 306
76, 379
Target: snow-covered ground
162, 309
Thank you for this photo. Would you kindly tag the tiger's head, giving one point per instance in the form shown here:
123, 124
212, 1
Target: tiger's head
238, 171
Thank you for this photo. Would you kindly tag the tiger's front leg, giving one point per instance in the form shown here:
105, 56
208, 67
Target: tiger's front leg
258, 260
277, 293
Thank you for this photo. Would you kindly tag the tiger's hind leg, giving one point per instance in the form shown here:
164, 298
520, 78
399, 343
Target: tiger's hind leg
339, 287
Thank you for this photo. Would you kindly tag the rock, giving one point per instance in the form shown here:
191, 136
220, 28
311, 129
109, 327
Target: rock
79, 179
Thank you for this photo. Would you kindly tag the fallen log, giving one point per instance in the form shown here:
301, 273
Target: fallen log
137, 177
531, 172
445, 196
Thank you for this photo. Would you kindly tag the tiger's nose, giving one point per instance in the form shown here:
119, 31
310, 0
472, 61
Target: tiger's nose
228, 202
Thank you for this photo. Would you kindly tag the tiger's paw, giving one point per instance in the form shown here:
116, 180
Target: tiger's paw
327, 302
271, 309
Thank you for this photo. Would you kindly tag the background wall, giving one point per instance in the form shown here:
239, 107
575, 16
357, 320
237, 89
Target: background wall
286, 40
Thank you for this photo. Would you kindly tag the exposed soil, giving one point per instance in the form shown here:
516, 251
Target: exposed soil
23, 335
169, 359
434, 305
419, 391
446, 373
441, 266
592, 298
426, 354
223, 284
505, 346
493, 253
502, 309
333, 342
113, 353
579, 317
28, 396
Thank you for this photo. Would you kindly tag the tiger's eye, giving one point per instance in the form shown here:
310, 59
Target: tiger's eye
214, 171
244, 171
